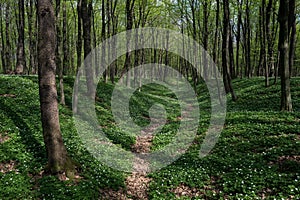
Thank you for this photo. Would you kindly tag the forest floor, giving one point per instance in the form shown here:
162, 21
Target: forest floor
256, 157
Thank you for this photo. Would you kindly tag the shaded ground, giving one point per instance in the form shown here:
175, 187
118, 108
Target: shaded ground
256, 157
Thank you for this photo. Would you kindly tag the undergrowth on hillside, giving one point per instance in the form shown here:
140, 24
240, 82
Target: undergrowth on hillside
257, 155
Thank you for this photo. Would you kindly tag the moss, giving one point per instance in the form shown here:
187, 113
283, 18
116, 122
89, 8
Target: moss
68, 167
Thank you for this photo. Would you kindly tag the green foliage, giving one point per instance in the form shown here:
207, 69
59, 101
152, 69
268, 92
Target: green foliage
20, 121
255, 156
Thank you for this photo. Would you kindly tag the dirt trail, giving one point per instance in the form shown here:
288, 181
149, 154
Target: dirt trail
137, 183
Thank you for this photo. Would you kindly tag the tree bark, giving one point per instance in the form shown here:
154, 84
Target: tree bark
238, 39
2, 40
79, 34
205, 39
269, 65
292, 35
21, 63
79, 52
114, 21
216, 36
7, 36
247, 36
65, 56
86, 11
283, 44
58, 160
129, 24
225, 51
31, 67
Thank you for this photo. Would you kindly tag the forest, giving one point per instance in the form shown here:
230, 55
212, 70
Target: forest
149, 99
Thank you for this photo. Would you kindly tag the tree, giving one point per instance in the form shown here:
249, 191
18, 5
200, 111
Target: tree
269, 42
247, 36
79, 35
238, 39
58, 160
292, 34
283, 44
57, 52
225, 51
129, 24
7, 36
31, 37
21, 64
86, 16
2, 40
65, 56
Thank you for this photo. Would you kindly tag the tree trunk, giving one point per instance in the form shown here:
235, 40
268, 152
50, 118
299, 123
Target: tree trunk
225, 51
86, 11
292, 34
7, 36
269, 65
65, 56
79, 35
205, 39
114, 21
103, 37
58, 160
238, 39
21, 63
247, 36
2, 40
216, 36
31, 67
231, 56
79, 52
108, 25
129, 23
283, 44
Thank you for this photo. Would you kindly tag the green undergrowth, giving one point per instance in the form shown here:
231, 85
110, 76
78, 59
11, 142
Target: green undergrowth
20, 122
256, 156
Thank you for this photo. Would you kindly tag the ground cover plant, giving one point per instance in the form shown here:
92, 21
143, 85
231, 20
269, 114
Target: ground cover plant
257, 155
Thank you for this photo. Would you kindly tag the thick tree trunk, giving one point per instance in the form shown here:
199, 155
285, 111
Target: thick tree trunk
286, 99
225, 51
58, 160
86, 14
21, 63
